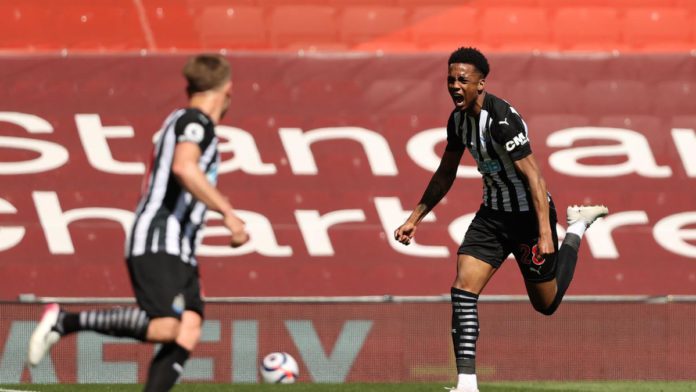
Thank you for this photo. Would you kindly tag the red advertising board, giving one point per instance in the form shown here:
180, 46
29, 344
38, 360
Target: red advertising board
381, 342
325, 155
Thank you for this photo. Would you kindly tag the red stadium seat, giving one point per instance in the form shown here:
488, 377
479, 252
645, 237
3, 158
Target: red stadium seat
616, 4
203, 4
432, 27
80, 25
423, 3
659, 29
362, 24
236, 27
516, 28
303, 26
586, 28
24, 27
91, 26
172, 24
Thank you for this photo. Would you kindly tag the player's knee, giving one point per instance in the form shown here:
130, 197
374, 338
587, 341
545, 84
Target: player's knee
190, 332
164, 329
189, 337
462, 282
463, 286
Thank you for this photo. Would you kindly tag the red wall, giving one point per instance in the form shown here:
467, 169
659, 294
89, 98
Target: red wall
394, 99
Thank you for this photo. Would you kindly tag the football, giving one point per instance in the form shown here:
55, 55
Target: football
279, 368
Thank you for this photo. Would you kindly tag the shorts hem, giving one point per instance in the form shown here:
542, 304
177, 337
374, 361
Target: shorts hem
480, 257
543, 279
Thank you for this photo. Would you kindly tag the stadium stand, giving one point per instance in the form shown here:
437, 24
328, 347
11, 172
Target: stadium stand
217, 25
290, 29
431, 26
585, 28
391, 25
515, 28
657, 28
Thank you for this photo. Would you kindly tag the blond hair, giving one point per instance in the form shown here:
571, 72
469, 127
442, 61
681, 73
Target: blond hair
206, 72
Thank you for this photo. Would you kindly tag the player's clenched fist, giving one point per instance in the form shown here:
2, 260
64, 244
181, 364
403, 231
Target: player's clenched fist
239, 239
405, 233
238, 229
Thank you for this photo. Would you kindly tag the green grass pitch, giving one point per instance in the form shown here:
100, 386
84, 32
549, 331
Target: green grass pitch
627, 386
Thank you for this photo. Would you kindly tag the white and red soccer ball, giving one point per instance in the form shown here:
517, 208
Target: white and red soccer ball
279, 368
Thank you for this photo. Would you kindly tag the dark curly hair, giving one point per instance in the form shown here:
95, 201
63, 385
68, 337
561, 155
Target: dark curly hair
470, 56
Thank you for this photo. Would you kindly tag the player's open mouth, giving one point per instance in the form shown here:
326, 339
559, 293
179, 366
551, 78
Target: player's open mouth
458, 98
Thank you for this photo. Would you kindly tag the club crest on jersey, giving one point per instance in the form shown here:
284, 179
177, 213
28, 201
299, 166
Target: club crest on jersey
194, 132
519, 140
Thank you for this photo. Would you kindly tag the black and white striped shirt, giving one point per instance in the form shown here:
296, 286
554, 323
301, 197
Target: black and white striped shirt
168, 218
496, 138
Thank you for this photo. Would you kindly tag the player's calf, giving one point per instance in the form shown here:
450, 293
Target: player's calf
579, 218
465, 331
122, 322
166, 367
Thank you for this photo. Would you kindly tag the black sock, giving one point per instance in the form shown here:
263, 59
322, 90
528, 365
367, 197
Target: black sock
565, 268
567, 258
166, 367
129, 322
67, 323
465, 329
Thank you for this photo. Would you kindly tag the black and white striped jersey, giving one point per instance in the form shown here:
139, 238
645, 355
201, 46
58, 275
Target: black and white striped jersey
168, 218
496, 139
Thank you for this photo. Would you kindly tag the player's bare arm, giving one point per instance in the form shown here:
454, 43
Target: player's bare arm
190, 176
537, 187
439, 185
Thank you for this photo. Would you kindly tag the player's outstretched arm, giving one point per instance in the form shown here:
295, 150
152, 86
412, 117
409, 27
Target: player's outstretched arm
439, 185
537, 187
191, 177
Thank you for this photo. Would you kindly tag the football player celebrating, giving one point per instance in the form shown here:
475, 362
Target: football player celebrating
517, 214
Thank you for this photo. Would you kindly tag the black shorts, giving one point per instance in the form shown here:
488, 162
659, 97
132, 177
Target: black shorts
493, 235
165, 286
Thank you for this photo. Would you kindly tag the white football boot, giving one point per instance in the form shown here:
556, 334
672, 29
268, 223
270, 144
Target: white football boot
588, 214
43, 336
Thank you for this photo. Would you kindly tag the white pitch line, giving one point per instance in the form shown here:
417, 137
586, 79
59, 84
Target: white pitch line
15, 390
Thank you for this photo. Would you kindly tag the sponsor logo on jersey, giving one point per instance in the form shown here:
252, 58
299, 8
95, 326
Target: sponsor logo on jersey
519, 140
489, 166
